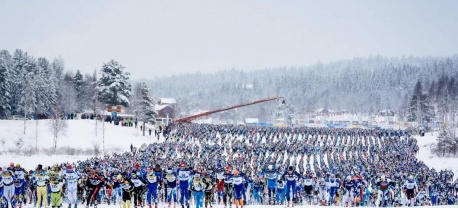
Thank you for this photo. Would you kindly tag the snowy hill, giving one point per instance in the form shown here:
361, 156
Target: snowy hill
439, 163
78, 142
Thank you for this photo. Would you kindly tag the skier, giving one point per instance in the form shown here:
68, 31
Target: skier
228, 187
290, 176
322, 192
271, 176
171, 180
197, 187
384, 186
237, 181
41, 181
152, 181
209, 185
280, 196
219, 183
8, 184
93, 185
71, 179
20, 184
138, 188
127, 189
349, 186
410, 187
56, 191
184, 175
308, 187
333, 185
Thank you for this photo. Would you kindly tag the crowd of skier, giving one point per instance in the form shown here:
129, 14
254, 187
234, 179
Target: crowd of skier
233, 165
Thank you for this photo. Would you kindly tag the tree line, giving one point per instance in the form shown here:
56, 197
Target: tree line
41, 88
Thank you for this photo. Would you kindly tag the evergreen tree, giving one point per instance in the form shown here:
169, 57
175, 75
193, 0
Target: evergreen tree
28, 100
446, 142
16, 77
145, 107
113, 86
5, 84
420, 108
44, 94
79, 89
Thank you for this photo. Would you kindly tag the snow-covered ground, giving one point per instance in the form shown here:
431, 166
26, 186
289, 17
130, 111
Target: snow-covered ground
80, 134
439, 163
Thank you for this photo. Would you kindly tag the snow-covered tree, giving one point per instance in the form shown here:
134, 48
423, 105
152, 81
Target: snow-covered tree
113, 86
5, 84
420, 109
446, 142
28, 102
45, 86
16, 76
80, 91
144, 109
57, 125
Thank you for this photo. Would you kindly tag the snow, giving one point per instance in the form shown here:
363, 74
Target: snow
167, 101
80, 134
432, 161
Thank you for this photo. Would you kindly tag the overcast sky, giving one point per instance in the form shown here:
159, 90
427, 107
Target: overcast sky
162, 38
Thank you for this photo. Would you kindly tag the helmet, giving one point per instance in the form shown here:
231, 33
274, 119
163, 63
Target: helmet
69, 167
137, 165
348, 178
382, 178
197, 175
321, 180
18, 165
149, 168
410, 177
183, 164
55, 165
333, 176
270, 167
219, 166
12, 164
228, 168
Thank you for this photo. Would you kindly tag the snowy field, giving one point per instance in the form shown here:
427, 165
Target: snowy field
80, 135
439, 163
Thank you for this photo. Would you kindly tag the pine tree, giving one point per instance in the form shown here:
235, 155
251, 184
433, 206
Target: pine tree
5, 84
28, 100
20, 59
420, 107
145, 107
446, 142
45, 97
113, 86
80, 92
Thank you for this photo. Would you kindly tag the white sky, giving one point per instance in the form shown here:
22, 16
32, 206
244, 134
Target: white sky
162, 38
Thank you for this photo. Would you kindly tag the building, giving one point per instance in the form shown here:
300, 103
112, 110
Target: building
165, 110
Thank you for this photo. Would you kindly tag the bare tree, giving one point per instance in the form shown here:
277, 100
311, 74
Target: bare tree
58, 126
